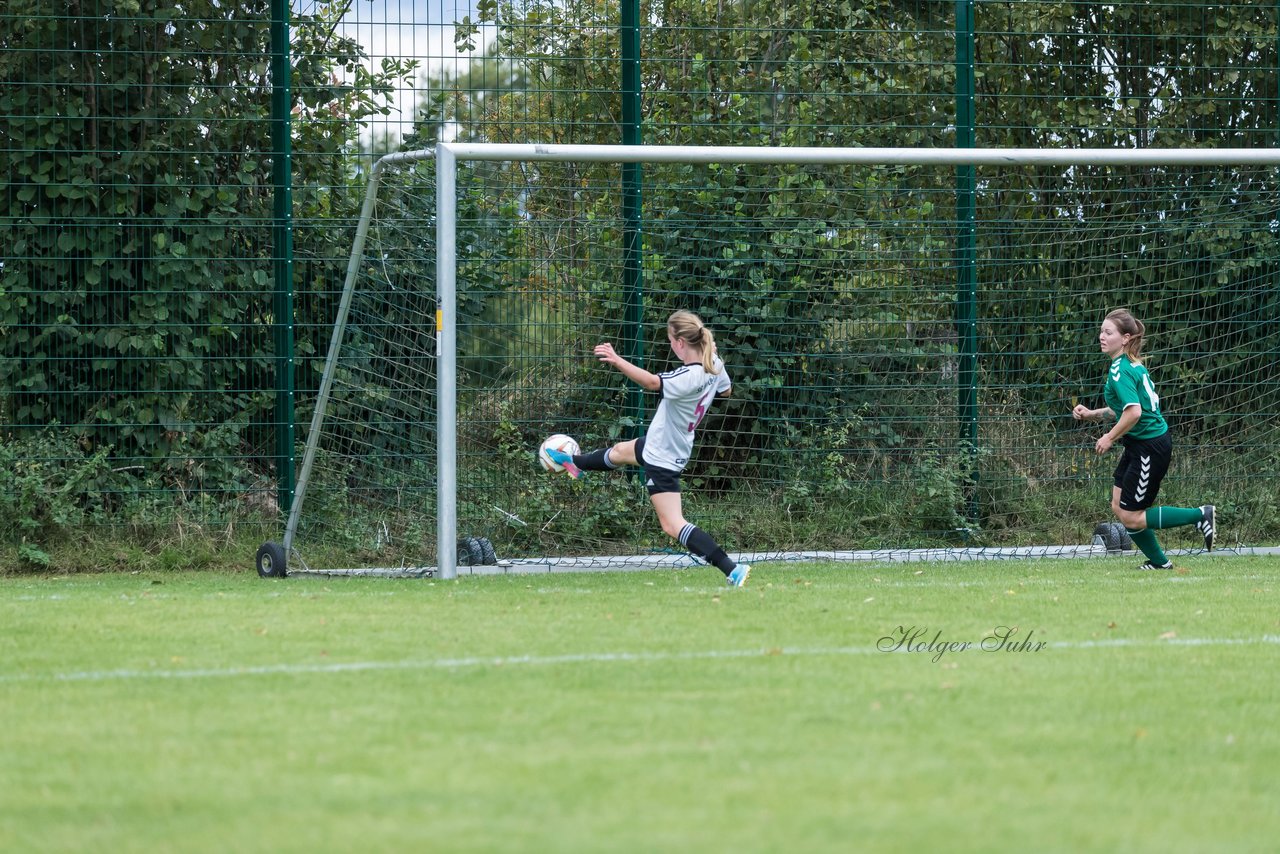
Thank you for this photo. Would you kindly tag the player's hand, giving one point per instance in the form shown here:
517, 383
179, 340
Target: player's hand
606, 354
1081, 413
1104, 444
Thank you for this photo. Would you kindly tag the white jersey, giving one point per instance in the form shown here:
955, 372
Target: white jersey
687, 393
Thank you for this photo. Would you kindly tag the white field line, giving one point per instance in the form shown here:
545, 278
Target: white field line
572, 658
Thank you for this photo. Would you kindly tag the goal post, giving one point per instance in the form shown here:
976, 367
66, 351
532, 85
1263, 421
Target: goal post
1244, 179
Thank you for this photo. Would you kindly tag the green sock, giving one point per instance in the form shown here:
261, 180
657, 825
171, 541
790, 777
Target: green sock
1146, 541
1173, 517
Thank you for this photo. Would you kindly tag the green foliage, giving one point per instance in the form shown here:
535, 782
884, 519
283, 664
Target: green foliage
524, 510
58, 493
136, 291
1192, 255
757, 74
49, 489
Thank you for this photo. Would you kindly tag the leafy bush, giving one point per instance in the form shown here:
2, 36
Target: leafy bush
49, 487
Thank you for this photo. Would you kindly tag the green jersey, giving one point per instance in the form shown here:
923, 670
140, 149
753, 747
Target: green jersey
1127, 384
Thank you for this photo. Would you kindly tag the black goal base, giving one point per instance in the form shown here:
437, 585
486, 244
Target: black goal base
1113, 536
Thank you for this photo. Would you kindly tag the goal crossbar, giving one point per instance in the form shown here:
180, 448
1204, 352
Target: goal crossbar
458, 151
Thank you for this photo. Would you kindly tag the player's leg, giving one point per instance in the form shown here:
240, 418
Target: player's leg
1134, 520
621, 454
668, 506
1159, 453
1159, 518
1132, 493
1143, 537
602, 459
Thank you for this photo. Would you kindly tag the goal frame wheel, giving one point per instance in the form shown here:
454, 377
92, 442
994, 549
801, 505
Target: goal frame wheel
271, 561
470, 552
1113, 536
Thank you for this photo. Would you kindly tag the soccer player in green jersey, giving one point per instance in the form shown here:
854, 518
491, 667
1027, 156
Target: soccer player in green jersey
1132, 401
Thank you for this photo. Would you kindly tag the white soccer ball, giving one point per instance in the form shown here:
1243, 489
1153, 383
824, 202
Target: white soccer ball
560, 442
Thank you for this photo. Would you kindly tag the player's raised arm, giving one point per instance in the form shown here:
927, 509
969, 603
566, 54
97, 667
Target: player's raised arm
635, 373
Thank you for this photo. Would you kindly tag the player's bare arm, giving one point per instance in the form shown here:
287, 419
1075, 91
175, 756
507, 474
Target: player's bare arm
1084, 413
1127, 419
638, 375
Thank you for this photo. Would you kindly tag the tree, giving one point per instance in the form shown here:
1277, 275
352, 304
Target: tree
880, 73
135, 295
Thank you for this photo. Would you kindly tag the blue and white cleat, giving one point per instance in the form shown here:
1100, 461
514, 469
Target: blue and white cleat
739, 576
561, 458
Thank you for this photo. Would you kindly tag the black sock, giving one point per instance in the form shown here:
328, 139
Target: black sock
593, 461
700, 543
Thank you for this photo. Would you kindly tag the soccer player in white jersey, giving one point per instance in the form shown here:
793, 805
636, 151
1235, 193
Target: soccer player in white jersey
1131, 400
687, 393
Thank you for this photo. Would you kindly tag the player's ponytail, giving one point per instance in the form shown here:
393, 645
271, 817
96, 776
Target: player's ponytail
688, 327
709, 351
1127, 324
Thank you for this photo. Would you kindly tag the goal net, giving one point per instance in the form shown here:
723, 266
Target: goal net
907, 331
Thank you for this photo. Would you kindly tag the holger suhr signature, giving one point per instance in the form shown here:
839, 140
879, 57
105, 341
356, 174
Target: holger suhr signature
917, 639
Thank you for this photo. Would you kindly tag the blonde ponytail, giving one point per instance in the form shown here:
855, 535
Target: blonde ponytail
688, 327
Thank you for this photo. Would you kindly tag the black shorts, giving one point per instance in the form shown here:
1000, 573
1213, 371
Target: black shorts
656, 480
1141, 469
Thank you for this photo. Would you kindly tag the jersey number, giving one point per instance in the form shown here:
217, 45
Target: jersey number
698, 413
1151, 392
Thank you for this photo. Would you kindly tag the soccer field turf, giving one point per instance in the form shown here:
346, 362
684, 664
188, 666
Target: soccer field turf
1038, 705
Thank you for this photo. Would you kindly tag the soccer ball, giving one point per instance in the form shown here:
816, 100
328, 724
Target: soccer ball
560, 442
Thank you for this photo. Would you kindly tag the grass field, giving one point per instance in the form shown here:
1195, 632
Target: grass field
647, 711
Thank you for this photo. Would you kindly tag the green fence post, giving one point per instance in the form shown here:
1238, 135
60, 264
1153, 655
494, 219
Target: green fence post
282, 253
966, 251
632, 178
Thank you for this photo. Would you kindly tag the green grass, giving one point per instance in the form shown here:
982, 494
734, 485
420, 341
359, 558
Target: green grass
644, 711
